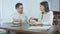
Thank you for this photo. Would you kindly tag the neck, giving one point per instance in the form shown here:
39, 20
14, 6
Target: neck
20, 13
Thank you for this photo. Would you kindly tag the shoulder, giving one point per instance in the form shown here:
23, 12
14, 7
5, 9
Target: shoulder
24, 14
50, 12
14, 15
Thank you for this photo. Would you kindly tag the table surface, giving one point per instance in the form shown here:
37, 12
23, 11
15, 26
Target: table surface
24, 28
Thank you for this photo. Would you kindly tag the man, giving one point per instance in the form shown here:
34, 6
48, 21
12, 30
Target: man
19, 16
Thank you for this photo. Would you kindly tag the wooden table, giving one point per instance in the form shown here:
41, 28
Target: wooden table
22, 29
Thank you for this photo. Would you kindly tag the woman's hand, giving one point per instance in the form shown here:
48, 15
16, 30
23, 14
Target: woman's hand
32, 21
39, 23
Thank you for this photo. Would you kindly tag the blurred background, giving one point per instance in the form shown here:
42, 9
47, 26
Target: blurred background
31, 8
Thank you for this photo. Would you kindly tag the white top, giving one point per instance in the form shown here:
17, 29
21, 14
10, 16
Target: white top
47, 18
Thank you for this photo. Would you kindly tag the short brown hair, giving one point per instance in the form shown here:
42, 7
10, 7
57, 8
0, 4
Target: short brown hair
17, 5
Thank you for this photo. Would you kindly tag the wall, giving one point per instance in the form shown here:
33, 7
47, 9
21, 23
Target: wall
31, 8
0, 9
54, 5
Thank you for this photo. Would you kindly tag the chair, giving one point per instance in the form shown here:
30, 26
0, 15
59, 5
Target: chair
56, 22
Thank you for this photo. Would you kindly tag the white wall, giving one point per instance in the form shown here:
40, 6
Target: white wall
31, 8
0, 9
54, 5
9, 8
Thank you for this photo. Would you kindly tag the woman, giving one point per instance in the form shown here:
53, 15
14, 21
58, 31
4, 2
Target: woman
46, 17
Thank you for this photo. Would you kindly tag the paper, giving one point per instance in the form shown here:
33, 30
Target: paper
40, 27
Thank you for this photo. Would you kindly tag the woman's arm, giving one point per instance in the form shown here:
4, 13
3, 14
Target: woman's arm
47, 21
35, 22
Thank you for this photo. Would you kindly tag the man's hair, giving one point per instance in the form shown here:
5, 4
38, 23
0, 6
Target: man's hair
17, 5
45, 4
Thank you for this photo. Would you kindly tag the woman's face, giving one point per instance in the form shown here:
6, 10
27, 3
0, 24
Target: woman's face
42, 8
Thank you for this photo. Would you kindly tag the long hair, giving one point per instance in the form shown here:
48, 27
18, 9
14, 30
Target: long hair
45, 4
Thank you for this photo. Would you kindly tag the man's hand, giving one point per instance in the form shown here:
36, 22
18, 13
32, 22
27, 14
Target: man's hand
32, 21
17, 20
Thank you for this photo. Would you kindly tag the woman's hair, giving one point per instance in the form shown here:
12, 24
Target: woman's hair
45, 4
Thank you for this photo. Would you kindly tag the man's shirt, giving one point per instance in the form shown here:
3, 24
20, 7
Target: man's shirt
19, 16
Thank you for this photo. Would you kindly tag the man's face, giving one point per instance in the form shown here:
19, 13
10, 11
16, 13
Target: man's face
20, 9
